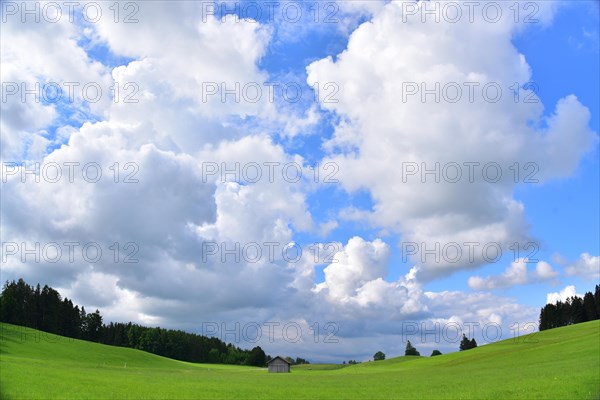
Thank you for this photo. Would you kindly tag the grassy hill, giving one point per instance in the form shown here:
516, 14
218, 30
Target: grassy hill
559, 363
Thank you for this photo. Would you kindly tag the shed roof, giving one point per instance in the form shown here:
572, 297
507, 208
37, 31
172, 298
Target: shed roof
281, 358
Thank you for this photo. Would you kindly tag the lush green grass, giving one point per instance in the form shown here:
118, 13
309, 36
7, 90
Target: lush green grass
561, 363
318, 367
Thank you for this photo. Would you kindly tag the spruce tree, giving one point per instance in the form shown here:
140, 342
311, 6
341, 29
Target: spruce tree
410, 350
597, 300
465, 343
589, 307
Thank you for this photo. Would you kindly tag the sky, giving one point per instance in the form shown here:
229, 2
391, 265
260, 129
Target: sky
323, 179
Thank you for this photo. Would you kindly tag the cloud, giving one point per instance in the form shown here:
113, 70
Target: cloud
41, 82
516, 274
563, 295
163, 139
354, 271
355, 287
397, 146
586, 266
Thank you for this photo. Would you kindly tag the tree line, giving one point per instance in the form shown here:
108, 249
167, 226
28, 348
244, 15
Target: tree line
297, 361
44, 309
574, 310
411, 350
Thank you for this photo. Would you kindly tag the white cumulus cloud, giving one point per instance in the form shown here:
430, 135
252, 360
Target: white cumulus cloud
516, 274
587, 266
563, 295
413, 153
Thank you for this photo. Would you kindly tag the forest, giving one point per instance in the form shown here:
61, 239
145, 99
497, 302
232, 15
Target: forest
573, 310
43, 308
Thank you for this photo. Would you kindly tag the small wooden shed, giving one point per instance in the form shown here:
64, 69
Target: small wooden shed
278, 364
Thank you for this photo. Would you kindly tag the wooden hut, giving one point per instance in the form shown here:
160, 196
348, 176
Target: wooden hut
278, 364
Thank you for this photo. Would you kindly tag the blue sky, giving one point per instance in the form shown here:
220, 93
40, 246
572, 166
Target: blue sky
368, 51
564, 59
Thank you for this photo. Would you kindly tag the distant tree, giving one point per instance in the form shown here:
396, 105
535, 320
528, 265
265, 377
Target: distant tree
37, 318
214, 357
83, 325
577, 310
9, 304
563, 313
410, 350
589, 307
436, 353
301, 361
379, 356
93, 324
49, 308
597, 300
547, 315
18, 304
466, 344
257, 357
343, 362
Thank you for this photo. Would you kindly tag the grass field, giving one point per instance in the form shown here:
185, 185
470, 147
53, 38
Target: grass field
562, 363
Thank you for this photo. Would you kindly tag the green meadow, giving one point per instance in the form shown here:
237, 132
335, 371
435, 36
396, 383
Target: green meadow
562, 363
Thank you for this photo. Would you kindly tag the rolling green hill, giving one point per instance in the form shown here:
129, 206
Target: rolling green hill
561, 363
